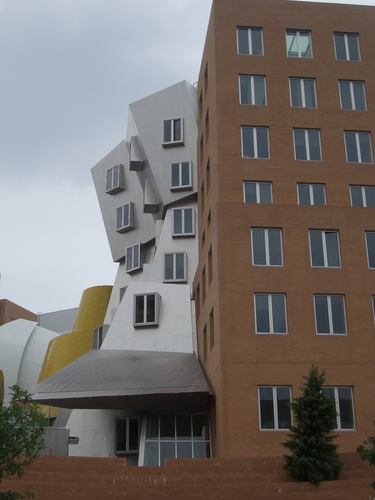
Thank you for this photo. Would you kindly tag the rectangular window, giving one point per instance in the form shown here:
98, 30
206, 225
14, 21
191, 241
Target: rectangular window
98, 337
270, 313
175, 267
133, 258
274, 409
370, 245
181, 175
125, 218
298, 43
362, 196
183, 222
114, 179
257, 192
324, 248
307, 144
252, 90
358, 147
266, 247
127, 435
250, 41
347, 46
255, 142
330, 314
311, 194
146, 309
352, 95
173, 132
302, 92
343, 398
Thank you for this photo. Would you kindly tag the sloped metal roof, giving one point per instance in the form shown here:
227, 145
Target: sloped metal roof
133, 380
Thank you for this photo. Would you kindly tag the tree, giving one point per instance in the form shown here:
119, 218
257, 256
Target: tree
367, 452
22, 426
314, 456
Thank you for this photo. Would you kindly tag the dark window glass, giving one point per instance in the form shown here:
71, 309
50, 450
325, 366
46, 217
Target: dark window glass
278, 313
267, 417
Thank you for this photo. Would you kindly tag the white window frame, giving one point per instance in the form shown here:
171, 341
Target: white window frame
275, 408
183, 221
347, 46
128, 224
146, 323
173, 141
311, 193
267, 246
174, 279
358, 147
133, 251
352, 96
255, 142
307, 144
363, 195
270, 314
252, 90
303, 92
128, 451
337, 404
324, 233
330, 316
110, 187
297, 33
257, 191
370, 255
180, 166
249, 40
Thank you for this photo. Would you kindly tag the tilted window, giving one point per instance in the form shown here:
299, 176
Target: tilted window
274, 409
347, 46
114, 179
181, 175
146, 309
311, 194
173, 132
250, 41
257, 192
183, 222
133, 258
298, 43
330, 314
125, 218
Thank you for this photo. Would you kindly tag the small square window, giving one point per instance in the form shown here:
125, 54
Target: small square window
362, 196
358, 147
175, 267
127, 435
114, 179
324, 248
343, 398
252, 90
125, 218
270, 313
298, 43
307, 145
266, 247
146, 309
133, 258
302, 92
311, 194
330, 314
347, 46
250, 41
183, 222
275, 412
173, 132
352, 95
257, 192
181, 177
370, 246
255, 142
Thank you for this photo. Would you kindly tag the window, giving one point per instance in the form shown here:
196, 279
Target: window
133, 258
370, 245
330, 314
324, 248
181, 175
212, 329
274, 409
98, 337
362, 196
114, 179
146, 309
270, 313
302, 92
255, 142
266, 247
257, 192
352, 95
127, 435
183, 222
298, 43
175, 267
358, 147
125, 218
182, 435
311, 194
343, 398
307, 145
250, 41
253, 90
173, 132
347, 46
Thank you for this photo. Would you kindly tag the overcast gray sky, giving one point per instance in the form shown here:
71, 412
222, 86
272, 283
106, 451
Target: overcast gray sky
69, 69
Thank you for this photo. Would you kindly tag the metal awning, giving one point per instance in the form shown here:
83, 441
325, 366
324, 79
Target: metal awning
131, 380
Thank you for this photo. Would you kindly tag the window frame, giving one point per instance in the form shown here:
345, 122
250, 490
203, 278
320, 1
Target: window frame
146, 309
250, 41
258, 194
127, 451
183, 222
358, 146
307, 144
110, 187
255, 146
276, 419
336, 399
135, 251
180, 186
267, 246
172, 140
364, 196
370, 252
302, 91
253, 96
174, 279
330, 315
312, 195
352, 95
298, 33
325, 248
347, 51
129, 223
270, 314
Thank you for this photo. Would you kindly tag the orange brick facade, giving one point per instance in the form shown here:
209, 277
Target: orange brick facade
10, 312
236, 359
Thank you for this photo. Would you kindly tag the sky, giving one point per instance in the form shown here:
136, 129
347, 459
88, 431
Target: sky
68, 71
